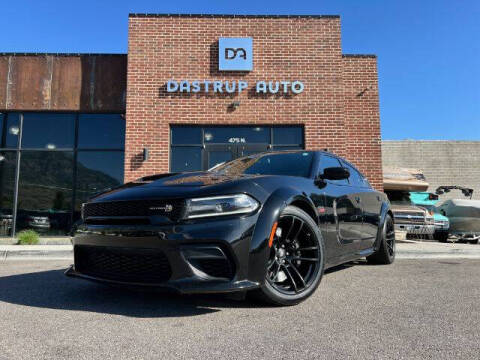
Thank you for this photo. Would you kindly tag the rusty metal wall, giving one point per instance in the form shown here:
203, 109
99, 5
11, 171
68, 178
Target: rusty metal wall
50, 82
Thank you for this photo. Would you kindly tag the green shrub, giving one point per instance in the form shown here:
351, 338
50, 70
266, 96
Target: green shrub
27, 237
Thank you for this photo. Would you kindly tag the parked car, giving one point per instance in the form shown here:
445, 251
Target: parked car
427, 201
416, 221
6, 221
35, 220
464, 214
268, 223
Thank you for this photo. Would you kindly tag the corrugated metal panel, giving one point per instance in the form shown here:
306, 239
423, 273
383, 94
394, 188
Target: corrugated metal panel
69, 83
29, 86
110, 83
3, 80
66, 78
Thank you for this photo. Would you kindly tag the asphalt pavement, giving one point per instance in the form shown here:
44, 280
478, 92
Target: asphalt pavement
414, 309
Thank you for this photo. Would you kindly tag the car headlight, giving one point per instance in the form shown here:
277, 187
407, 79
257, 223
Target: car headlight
220, 205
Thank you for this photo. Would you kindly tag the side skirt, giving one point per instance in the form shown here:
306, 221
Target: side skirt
338, 260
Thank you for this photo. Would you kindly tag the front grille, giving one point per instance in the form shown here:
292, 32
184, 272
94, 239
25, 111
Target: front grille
133, 265
117, 221
220, 268
173, 209
409, 219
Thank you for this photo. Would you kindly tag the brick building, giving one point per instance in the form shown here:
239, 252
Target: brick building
193, 90
337, 109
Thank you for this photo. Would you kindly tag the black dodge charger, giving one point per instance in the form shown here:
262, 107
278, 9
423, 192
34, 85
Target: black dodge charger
268, 223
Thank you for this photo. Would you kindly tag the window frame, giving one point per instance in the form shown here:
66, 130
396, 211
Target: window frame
364, 182
333, 182
203, 143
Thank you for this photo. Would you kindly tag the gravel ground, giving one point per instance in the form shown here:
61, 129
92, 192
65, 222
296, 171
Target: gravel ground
414, 309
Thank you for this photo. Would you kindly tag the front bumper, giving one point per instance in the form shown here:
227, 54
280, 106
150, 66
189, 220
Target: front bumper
442, 226
416, 229
187, 258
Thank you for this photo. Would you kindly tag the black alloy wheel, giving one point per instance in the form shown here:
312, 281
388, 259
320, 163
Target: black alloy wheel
386, 253
295, 264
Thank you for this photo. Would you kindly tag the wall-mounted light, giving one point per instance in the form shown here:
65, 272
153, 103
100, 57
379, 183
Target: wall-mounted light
234, 105
145, 154
51, 146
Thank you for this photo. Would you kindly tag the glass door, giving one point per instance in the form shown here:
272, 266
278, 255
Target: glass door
217, 154
249, 149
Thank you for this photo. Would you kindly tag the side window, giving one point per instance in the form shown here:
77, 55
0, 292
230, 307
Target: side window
356, 179
329, 161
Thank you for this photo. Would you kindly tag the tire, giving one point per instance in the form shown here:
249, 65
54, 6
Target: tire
441, 236
308, 244
386, 253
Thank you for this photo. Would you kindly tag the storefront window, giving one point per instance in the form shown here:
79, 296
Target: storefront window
186, 135
51, 186
101, 131
97, 171
196, 148
241, 134
289, 135
48, 131
186, 158
287, 147
9, 130
45, 192
7, 182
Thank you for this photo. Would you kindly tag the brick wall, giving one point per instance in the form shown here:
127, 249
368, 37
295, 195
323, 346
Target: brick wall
285, 48
443, 162
362, 116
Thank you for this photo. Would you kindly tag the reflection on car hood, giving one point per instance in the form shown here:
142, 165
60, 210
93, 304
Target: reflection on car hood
198, 179
178, 185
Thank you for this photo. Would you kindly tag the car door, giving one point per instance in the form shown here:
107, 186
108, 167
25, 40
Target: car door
371, 202
343, 212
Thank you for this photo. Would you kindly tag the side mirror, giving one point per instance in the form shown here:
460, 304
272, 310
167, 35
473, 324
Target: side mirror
335, 173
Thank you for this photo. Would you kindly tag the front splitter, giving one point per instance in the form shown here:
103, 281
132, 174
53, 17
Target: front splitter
193, 285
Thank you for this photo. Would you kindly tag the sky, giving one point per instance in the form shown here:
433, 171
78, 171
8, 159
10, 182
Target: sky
428, 50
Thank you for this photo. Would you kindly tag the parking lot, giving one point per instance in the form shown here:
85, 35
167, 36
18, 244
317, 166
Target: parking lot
415, 309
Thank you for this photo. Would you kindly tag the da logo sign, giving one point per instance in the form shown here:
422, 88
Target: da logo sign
235, 54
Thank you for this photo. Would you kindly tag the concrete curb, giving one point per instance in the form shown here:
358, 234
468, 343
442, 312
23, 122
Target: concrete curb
436, 255
63, 240
36, 252
404, 251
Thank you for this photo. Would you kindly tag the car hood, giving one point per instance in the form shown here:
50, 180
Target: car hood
196, 179
407, 208
439, 217
181, 185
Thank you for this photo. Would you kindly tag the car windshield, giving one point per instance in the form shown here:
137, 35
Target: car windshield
428, 207
287, 164
399, 198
